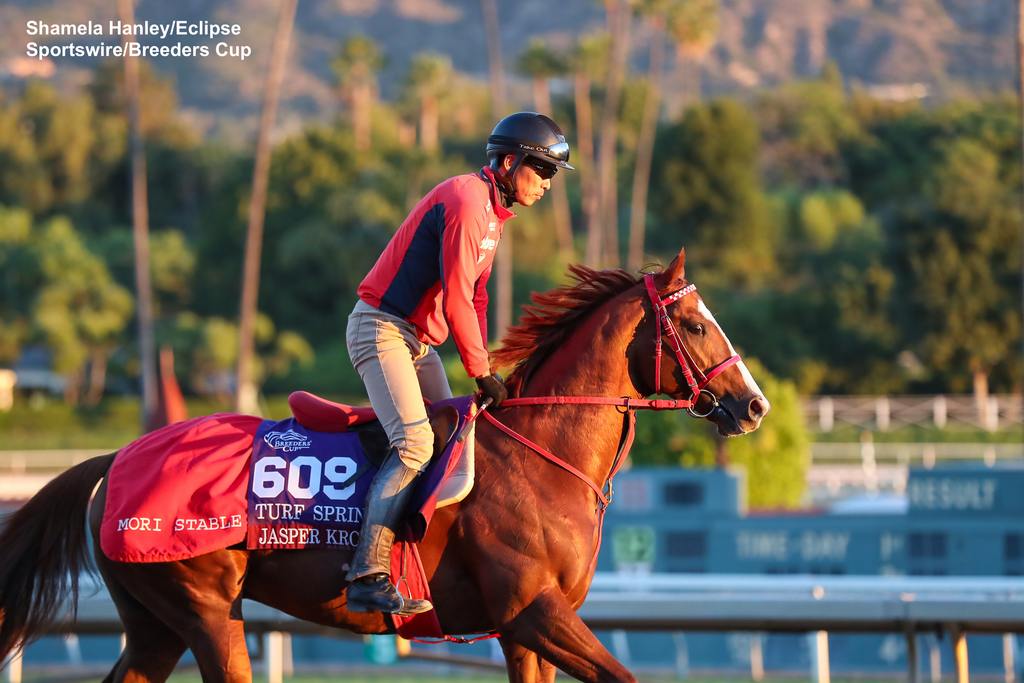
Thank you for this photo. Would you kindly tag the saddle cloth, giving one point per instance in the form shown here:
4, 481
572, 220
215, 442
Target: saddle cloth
212, 482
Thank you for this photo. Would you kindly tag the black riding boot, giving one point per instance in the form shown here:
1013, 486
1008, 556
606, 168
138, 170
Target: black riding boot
370, 589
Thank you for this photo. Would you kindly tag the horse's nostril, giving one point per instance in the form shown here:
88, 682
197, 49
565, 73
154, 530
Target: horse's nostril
758, 408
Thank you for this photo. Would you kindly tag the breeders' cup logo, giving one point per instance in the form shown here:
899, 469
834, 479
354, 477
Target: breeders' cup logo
287, 442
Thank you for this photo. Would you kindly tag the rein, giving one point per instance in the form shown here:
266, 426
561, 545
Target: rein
696, 380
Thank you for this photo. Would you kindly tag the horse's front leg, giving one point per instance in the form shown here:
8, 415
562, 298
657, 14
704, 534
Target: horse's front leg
524, 666
550, 627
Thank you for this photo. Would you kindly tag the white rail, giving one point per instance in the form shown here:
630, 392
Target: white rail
882, 413
681, 602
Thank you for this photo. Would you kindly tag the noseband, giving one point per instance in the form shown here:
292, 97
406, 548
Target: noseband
696, 379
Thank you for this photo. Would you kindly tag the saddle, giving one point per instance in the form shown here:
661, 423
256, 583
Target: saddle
322, 415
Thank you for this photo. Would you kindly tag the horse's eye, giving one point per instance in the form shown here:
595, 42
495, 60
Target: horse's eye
697, 328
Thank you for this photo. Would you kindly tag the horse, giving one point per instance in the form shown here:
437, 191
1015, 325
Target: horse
516, 557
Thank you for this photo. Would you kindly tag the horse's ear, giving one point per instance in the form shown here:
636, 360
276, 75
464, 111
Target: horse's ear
676, 271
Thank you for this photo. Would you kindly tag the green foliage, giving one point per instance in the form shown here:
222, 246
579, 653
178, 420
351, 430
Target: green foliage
79, 310
775, 457
692, 24
707, 194
537, 60
206, 351
805, 126
824, 214
958, 256
590, 54
19, 280
172, 265
429, 74
56, 150
358, 62
854, 245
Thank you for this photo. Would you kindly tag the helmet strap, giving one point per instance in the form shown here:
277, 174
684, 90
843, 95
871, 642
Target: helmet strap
506, 179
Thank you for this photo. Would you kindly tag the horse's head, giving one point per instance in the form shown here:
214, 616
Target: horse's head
696, 358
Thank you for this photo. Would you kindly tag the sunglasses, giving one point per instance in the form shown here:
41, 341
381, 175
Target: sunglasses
545, 171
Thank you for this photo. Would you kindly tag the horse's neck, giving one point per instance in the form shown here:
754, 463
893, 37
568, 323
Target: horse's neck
591, 362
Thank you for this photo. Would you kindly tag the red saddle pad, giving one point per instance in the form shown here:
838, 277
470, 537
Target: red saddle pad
179, 491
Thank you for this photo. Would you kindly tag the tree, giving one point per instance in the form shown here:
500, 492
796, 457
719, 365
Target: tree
619, 16
540, 64
503, 258
245, 396
709, 196
207, 349
692, 25
172, 263
57, 150
805, 126
427, 81
140, 226
589, 59
80, 310
961, 267
20, 280
356, 68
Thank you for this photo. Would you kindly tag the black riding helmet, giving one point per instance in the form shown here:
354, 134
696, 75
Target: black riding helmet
525, 134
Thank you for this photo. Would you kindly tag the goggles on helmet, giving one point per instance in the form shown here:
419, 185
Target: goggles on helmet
559, 151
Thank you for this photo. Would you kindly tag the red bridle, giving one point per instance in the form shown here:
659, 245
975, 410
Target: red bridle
696, 379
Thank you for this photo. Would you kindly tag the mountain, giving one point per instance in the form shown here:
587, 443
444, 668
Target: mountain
899, 48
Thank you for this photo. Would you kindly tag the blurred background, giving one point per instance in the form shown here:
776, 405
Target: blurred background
845, 176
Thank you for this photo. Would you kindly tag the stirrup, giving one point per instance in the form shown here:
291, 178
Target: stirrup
377, 594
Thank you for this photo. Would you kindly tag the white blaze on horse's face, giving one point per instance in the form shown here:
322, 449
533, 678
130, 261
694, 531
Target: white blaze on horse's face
754, 406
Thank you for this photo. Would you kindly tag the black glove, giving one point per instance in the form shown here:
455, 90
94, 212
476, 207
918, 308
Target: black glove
492, 387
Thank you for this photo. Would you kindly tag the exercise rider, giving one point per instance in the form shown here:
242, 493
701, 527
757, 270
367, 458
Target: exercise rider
430, 280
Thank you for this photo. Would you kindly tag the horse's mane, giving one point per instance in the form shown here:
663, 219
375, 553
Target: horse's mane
550, 318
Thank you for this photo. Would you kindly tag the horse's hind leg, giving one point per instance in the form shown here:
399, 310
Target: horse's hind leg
198, 600
151, 649
550, 627
524, 666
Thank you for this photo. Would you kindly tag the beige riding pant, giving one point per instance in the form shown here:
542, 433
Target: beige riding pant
399, 371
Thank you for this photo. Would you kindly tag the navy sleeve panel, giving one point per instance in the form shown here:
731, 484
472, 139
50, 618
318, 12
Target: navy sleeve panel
421, 266
480, 301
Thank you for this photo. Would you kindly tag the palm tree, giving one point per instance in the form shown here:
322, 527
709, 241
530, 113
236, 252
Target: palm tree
540, 65
140, 227
245, 392
428, 79
589, 60
494, 60
692, 25
1020, 95
503, 258
619, 16
356, 68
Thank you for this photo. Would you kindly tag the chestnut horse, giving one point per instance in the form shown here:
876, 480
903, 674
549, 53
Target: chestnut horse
516, 556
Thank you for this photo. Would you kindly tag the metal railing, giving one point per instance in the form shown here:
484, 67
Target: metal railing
836, 468
882, 413
46, 461
880, 467
912, 606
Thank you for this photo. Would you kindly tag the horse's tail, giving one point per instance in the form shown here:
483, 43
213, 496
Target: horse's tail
43, 550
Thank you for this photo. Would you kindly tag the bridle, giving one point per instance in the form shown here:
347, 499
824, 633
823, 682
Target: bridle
696, 379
